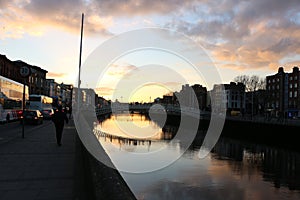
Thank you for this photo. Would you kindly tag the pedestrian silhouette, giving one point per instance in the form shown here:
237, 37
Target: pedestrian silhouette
70, 112
59, 118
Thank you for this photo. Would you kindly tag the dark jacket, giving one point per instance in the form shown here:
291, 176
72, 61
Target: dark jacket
59, 117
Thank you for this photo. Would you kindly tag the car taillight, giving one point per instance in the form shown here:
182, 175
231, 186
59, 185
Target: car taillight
35, 117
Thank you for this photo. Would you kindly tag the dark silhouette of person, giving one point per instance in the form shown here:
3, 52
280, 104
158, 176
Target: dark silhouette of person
70, 112
59, 118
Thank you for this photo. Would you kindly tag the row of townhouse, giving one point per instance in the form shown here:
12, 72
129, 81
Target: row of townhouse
283, 92
37, 82
280, 98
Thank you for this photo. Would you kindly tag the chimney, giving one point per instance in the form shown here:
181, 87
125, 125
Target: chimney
295, 69
280, 70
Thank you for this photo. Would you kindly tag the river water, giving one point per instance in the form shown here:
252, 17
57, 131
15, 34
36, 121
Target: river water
232, 170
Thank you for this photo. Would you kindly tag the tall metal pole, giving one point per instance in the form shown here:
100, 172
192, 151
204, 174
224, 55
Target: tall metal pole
79, 81
23, 109
252, 109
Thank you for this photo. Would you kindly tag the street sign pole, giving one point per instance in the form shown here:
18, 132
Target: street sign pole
23, 109
25, 73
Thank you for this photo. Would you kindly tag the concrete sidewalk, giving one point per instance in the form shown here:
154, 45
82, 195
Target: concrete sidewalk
36, 168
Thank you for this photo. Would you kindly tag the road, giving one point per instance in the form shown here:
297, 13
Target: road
13, 130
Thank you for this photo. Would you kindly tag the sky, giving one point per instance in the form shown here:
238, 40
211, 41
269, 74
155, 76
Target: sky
240, 37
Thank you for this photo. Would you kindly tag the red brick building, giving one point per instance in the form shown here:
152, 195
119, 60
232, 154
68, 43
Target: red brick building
36, 81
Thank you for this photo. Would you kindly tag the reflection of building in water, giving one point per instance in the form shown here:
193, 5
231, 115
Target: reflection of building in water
282, 168
278, 166
169, 132
228, 150
102, 118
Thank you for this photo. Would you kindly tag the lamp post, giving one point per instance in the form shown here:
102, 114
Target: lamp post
80, 52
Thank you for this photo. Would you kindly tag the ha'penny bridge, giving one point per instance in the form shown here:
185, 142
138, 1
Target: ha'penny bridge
174, 110
122, 139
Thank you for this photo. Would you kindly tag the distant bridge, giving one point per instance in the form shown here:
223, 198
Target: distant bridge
168, 109
177, 111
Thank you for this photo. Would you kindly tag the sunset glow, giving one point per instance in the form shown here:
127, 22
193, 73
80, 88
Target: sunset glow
241, 37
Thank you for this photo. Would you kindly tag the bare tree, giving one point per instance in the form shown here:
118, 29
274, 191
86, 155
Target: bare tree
252, 83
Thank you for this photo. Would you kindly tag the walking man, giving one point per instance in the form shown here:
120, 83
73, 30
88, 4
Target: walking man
59, 118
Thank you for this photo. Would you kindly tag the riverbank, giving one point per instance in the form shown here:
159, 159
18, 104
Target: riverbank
272, 133
101, 181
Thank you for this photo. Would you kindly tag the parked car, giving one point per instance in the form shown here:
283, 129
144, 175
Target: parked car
33, 117
47, 113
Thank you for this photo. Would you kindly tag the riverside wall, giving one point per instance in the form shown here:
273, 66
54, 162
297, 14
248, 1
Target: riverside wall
98, 180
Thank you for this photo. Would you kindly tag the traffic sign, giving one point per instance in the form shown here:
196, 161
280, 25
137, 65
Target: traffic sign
25, 71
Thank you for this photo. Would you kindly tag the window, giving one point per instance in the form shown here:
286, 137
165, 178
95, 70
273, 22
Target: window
295, 94
277, 79
291, 94
273, 80
291, 85
291, 78
296, 77
278, 87
296, 85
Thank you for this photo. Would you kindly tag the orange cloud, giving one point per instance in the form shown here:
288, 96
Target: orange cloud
120, 69
33, 17
55, 75
104, 91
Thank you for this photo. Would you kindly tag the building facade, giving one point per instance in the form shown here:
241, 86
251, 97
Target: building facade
36, 82
9, 70
283, 92
277, 86
192, 95
232, 95
293, 99
37, 79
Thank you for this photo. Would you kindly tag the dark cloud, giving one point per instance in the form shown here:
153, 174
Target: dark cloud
67, 14
287, 44
3, 4
139, 7
256, 33
252, 34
